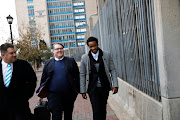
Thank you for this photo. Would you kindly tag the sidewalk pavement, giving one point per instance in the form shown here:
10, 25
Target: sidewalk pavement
82, 107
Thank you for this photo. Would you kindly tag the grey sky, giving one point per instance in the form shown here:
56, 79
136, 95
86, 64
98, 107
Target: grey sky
7, 7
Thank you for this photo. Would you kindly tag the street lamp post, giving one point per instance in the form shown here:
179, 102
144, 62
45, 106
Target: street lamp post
10, 20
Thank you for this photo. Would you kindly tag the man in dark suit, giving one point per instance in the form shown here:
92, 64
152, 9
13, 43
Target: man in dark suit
17, 85
97, 78
61, 78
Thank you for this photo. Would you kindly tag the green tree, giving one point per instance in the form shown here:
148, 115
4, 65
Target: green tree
46, 54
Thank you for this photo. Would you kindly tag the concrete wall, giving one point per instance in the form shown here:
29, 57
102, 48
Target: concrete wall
91, 8
22, 14
137, 104
167, 18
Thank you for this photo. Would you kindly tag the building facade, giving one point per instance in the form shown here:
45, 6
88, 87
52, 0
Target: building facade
91, 12
62, 21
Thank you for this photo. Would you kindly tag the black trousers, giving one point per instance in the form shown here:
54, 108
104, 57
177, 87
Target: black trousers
99, 101
7, 114
59, 102
16, 112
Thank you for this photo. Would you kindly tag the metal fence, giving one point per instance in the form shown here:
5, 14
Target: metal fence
75, 52
128, 32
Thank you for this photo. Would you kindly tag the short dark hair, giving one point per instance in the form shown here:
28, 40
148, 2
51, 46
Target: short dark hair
58, 44
90, 39
5, 46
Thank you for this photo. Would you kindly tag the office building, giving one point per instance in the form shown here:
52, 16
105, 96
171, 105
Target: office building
61, 21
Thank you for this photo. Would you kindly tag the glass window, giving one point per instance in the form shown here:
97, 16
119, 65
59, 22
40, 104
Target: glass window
75, 4
76, 10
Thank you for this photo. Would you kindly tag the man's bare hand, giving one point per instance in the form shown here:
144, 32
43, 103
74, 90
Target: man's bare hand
40, 99
84, 96
115, 90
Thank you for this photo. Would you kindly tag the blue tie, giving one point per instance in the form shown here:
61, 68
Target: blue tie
8, 75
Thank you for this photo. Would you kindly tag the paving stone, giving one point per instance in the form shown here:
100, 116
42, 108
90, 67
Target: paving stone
82, 107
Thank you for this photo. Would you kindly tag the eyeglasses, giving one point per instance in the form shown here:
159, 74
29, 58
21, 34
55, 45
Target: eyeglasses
58, 49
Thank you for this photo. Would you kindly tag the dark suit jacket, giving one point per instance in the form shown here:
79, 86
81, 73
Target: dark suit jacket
71, 69
21, 88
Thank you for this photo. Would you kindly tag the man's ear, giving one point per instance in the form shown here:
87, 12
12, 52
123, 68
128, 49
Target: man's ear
2, 54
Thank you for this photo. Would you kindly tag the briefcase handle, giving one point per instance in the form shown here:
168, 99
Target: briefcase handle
42, 104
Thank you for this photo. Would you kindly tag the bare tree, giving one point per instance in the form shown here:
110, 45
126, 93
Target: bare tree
29, 46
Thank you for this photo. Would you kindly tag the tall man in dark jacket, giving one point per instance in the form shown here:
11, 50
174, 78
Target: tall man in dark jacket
61, 78
97, 78
17, 85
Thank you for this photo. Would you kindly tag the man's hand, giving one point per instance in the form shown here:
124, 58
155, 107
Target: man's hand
40, 99
84, 96
115, 90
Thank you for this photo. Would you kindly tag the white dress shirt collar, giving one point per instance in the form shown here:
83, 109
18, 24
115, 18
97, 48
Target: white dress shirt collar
6, 64
59, 59
95, 56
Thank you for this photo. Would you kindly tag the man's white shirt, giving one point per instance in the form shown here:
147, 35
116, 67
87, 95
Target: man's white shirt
5, 68
95, 56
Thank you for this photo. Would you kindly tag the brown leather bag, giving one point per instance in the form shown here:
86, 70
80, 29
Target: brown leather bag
42, 92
